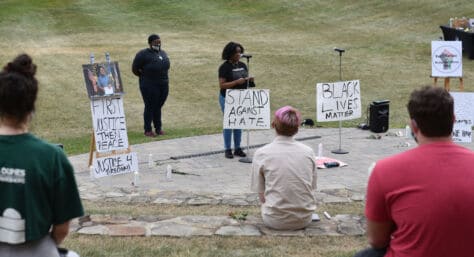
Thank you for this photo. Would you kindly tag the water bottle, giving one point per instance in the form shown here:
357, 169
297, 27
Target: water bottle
150, 160
136, 178
169, 171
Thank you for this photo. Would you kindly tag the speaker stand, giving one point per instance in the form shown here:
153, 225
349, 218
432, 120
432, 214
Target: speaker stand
247, 159
339, 150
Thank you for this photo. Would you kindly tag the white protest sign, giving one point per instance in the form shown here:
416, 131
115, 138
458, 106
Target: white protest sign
247, 109
108, 120
464, 112
115, 164
338, 101
446, 58
462, 131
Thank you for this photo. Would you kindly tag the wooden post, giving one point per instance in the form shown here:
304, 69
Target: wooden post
92, 148
447, 85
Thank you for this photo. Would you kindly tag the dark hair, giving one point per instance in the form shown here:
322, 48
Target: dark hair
152, 38
432, 108
18, 89
230, 49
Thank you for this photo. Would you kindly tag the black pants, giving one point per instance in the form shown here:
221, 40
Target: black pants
371, 252
154, 98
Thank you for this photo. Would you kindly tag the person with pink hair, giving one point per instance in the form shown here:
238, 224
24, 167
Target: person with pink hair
284, 175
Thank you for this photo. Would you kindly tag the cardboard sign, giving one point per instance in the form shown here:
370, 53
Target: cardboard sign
446, 58
108, 120
247, 109
338, 101
115, 164
464, 112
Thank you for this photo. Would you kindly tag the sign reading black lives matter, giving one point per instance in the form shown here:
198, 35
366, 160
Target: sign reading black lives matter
247, 109
338, 101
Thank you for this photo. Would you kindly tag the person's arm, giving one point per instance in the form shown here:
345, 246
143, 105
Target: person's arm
378, 233
59, 232
223, 84
137, 64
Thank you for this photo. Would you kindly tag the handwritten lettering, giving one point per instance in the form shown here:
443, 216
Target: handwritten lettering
247, 109
109, 124
338, 101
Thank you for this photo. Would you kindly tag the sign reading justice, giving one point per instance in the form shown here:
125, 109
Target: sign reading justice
247, 109
108, 120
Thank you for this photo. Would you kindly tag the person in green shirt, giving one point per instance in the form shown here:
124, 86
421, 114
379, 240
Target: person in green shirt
38, 191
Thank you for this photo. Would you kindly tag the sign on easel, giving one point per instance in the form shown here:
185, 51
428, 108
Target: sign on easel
338, 101
109, 139
108, 120
247, 109
115, 164
464, 112
446, 59
102, 79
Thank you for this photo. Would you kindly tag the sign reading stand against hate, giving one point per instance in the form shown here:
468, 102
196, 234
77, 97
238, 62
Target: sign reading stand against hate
338, 101
247, 109
446, 59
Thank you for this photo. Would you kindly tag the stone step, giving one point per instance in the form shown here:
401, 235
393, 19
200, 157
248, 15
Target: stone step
189, 226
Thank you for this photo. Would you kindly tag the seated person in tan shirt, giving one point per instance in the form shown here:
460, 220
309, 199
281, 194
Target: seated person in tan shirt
284, 175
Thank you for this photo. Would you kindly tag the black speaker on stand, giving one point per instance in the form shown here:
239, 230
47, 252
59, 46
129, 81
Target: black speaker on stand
379, 114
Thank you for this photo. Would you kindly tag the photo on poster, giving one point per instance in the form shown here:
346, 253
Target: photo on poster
102, 79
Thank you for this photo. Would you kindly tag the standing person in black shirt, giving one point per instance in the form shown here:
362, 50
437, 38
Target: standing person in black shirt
151, 65
233, 74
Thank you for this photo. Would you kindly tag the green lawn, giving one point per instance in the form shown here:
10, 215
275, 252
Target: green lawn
388, 48
387, 43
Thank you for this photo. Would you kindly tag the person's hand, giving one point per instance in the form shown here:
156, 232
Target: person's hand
250, 78
241, 81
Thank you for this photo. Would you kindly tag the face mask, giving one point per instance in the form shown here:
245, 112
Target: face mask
156, 47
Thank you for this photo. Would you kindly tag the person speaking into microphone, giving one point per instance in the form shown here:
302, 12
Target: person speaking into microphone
233, 74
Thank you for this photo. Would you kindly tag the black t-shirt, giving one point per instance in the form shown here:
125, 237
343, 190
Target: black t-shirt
231, 72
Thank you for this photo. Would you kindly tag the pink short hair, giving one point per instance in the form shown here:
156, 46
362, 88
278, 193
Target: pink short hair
287, 120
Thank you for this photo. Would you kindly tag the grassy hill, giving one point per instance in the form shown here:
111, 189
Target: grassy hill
387, 48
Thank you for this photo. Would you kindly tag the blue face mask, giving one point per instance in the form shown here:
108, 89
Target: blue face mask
156, 47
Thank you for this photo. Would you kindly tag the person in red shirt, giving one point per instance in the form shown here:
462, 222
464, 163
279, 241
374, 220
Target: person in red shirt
421, 202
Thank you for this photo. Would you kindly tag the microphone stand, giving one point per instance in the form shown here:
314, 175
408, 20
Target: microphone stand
247, 159
340, 151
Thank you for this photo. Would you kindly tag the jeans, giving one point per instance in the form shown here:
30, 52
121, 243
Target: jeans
154, 98
228, 132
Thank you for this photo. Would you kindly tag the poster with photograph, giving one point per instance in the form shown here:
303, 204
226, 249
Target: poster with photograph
446, 59
102, 79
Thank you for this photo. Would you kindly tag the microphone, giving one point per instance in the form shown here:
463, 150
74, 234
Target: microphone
340, 50
246, 56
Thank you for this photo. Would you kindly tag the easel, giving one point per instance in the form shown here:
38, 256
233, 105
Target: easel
446, 82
